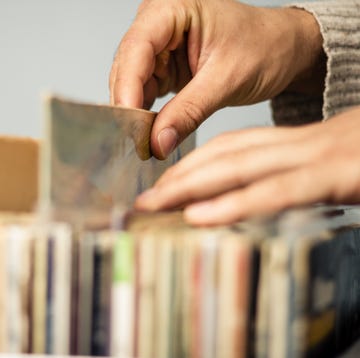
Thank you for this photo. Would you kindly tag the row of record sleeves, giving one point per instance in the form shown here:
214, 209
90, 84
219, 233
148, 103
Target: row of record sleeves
288, 287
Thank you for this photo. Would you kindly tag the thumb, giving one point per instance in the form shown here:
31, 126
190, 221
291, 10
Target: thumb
184, 113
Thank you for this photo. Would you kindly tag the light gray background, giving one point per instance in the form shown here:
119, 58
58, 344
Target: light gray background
67, 47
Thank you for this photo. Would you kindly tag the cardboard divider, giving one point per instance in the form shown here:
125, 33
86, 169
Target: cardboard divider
19, 161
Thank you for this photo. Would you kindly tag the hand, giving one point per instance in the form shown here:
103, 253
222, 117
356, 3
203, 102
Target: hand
214, 53
262, 171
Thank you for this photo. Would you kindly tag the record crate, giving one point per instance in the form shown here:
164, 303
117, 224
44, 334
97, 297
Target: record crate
285, 287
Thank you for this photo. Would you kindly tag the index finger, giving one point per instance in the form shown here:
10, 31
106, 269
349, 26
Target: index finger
155, 29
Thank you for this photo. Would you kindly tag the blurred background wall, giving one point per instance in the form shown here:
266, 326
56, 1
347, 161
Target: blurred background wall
67, 47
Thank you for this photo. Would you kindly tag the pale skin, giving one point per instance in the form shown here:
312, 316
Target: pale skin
262, 171
216, 53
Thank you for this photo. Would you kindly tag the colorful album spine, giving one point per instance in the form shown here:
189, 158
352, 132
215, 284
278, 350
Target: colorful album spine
136, 298
177, 239
17, 279
328, 315
122, 293
252, 297
279, 290
146, 321
74, 292
62, 286
188, 252
244, 270
263, 305
13, 308
30, 303
102, 279
39, 292
233, 306
50, 319
26, 287
85, 296
163, 298
210, 292
345, 252
196, 343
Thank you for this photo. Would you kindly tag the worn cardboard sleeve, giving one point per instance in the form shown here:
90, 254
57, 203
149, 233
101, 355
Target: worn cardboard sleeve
19, 158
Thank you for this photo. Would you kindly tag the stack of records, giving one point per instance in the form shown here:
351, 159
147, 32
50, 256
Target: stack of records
288, 286
74, 281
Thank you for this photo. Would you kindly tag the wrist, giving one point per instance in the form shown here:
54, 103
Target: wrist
309, 56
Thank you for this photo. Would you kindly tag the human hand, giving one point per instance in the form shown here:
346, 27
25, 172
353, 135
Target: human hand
214, 53
264, 170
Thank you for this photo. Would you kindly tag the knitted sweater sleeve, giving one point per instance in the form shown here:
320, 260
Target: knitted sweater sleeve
339, 22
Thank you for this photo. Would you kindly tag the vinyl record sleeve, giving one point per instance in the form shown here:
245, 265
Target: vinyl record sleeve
234, 273
122, 296
39, 291
85, 297
147, 286
62, 288
96, 156
101, 294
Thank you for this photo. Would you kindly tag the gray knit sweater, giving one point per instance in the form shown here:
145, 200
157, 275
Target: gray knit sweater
339, 22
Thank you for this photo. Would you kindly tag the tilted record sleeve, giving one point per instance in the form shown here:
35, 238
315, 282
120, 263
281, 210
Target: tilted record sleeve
96, 156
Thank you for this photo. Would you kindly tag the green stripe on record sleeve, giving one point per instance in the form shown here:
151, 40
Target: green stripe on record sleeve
123, 258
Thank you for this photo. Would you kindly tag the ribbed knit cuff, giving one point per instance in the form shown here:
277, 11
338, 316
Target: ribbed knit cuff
339, 23
292, 109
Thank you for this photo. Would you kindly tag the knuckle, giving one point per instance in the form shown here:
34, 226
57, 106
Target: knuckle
189, 194
218, 140
143, 5
117, 90
170, 173
324, 148
194, 115
347, 185
128, 42
295, 186
224, 137
286, 193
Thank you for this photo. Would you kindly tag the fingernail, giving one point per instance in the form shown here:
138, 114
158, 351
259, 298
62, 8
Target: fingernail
167, 139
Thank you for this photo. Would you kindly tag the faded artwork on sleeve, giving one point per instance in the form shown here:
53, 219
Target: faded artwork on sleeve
97, 156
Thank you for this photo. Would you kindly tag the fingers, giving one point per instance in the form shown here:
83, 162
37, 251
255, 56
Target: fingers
335, 180
135, 61
220, 187
151, 90
219, 175
184, 113
233, 142
127, 79
272, 194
